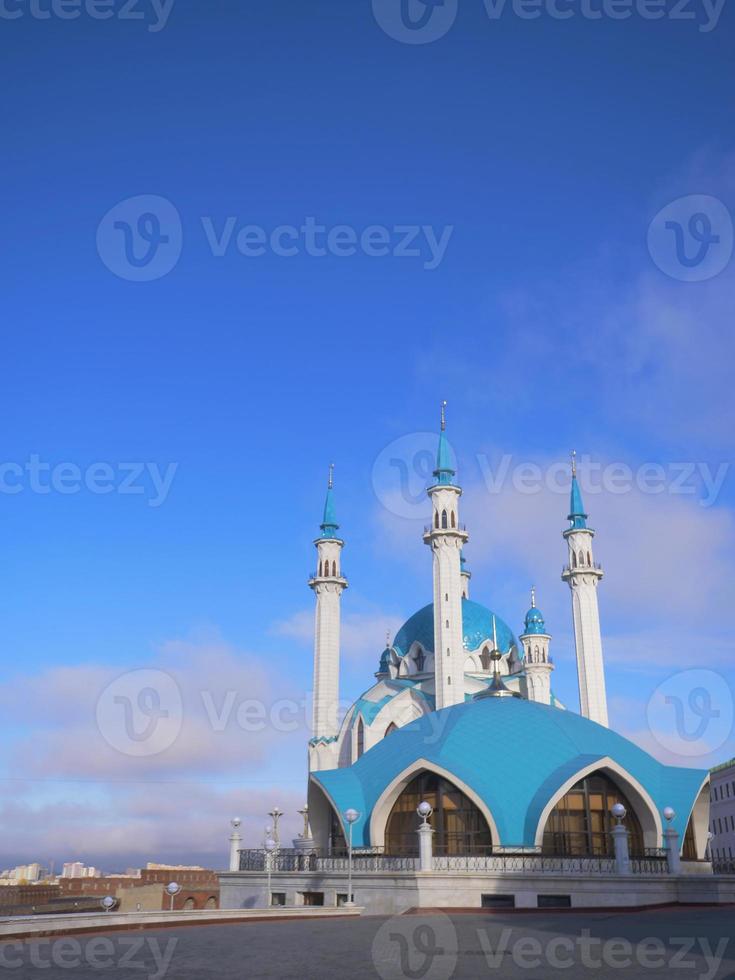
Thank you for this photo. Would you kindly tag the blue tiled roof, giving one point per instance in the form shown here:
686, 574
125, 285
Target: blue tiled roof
576, 508
477, 627
515, 754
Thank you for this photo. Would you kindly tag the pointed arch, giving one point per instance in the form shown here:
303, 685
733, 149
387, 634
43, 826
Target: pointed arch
645, 809
454, 520
360, 740
387, 799
436, 518
444, 519
334, 568
390, 729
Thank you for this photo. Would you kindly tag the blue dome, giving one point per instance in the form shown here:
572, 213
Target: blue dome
535, 621
477, 628
514, 755
384, 661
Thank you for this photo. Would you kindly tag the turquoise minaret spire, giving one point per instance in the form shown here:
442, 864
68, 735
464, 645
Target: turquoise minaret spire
329, 523
444, 473
576, 508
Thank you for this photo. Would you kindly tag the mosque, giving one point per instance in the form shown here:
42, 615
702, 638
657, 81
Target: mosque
461, 726
462, 714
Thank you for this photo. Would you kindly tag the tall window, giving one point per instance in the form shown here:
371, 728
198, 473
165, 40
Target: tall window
459, 827
444, 519
485, 659
581, 821
360, 737
419, 660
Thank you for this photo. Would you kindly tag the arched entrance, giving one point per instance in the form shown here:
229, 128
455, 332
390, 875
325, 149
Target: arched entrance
459, 826
581, 821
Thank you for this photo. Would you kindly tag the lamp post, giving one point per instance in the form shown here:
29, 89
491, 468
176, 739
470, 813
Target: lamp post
173, 889
235, 841
351, 816
275, 815
620, 840
426, 859
671, 843
269, 846
108, 903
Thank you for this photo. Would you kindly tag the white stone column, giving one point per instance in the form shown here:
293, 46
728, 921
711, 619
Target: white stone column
426, 847
622, 857
671, 843
235, 845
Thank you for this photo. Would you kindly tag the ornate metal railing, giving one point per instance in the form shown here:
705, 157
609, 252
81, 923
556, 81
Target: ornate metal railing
723, 866
519, 860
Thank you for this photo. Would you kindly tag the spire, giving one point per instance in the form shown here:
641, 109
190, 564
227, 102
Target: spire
533, 597
329, 523
534, 621
576, 508
443, 472
496, 688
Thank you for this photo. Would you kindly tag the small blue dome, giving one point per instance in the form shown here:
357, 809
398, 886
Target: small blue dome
534, 621
384, 661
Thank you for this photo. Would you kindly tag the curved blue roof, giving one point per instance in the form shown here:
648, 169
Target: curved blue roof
477, 627
515, 754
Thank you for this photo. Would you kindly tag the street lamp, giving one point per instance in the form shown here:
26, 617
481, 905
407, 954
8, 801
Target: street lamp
270, 846
173, 889
108, 903
669, 813
275, 815
424, 810
618, 811
351, 816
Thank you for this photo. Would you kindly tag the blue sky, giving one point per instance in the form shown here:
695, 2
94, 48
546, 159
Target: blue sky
542, 150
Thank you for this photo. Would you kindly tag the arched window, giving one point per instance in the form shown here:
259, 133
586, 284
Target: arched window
189, 903
391, 728
444, 519
334, 569
360, 738
320, 569
589, 558
536, 657
454, 520
436, 519
459, 827
485, 659
419, 660
581, 821
211, 903
574, 560
581, 558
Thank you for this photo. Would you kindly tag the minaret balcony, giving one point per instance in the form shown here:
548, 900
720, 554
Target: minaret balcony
569, 570
314, 577
459, 531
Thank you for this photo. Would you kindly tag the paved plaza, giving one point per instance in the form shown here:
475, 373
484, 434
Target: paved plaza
667, 943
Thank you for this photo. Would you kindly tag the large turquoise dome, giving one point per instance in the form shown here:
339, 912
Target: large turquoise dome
477, 628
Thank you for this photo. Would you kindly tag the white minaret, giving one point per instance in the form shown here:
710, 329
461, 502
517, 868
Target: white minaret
537, 665
328, 584
445, 537
583, 575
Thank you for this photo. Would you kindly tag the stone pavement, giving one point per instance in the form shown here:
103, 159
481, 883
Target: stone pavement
672, 943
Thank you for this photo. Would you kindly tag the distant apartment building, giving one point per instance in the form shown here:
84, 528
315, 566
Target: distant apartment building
75, 869
722, 812
29, 873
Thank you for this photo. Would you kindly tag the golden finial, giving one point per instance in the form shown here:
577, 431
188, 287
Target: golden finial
533, 597
444, 415
574, 462
330, 484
